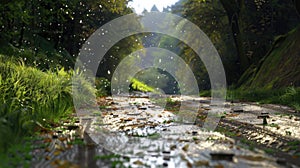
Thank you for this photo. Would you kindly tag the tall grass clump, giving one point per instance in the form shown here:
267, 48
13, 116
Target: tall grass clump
28, 96
291, 97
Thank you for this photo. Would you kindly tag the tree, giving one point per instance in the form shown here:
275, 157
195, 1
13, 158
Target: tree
56, 29
154, 9
233, 9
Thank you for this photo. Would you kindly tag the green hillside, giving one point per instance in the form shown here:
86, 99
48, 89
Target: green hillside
279, 68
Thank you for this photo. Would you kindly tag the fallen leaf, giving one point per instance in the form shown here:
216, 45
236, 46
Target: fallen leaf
201, 163
62, 139
56, 153
185, 148
138, 162
219, 166
252, 158
47, 158
47, 140
47, 150
173, 147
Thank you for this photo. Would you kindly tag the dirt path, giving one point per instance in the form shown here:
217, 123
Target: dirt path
138, 132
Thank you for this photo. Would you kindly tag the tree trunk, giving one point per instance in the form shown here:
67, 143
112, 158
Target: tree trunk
297, 4
233, 9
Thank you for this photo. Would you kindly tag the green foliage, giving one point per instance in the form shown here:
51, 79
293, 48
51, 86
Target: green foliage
29, 95
211, 18
84, 89
242, 31
45, 58
17, 156
152, 77
66, 24
140, 86
279, 68
102, 87
289, 96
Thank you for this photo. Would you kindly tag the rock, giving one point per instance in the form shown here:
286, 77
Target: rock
281, 161
139, 119
173, 147
142, 108
166, 152
194, 133
167, 158
222, 156
59, 131
134, 114
227, 105
204, 101
237, 109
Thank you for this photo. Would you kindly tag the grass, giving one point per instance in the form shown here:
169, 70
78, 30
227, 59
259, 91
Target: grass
140, 86
150, 136
28, 97
293, 143
226, 132
270, 150
289, 96
18, 156
172, 105
273, 125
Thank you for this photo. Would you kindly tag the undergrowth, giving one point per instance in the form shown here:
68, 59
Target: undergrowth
28, 97
289, 96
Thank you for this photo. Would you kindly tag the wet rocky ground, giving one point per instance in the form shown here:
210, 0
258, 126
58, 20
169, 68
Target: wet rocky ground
138, 131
